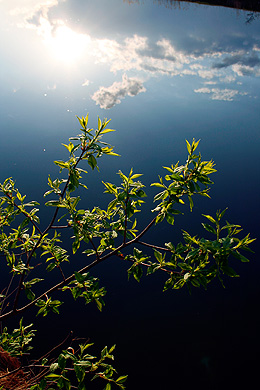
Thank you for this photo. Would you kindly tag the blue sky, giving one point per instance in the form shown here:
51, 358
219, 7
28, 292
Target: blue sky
115, 52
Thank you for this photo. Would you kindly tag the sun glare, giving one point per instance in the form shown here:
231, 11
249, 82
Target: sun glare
68, 46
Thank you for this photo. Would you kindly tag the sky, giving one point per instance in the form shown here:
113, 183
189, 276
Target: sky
63, 37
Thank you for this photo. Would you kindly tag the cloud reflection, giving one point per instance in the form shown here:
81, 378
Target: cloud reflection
138, 57
110, 96
219, 94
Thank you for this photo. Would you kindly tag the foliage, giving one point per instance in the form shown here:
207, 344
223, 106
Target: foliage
17, 343
101, 234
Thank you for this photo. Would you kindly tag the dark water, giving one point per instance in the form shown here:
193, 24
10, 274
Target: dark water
163, 75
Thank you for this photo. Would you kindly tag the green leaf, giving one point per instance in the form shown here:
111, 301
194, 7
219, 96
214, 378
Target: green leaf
122, 379
188, 147
99, 123
61, 361
221, 214
106, 131
157, 185
141, 194
54, 367
191, 202
92, 161
229, 271
240, 257
159, 257
99, 304
54, 203
62, 164
174, 176
79, 277
136, 175
168, 284
69, 147
170, 219
209, 228
211, 219
159, 218
30, 295
160, 196
75, 246
53, 376
112, 205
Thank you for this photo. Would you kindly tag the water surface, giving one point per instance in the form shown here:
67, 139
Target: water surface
163, 74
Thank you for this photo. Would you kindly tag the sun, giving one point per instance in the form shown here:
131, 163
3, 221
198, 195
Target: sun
67, 45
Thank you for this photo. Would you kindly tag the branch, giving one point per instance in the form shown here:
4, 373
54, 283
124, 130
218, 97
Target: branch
154, 246
59, 227
94, 247
126, 202
63, 193
56, 347
84, 269
42, 235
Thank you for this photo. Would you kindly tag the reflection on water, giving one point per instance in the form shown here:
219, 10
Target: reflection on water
216, 64
163, 75
214, 67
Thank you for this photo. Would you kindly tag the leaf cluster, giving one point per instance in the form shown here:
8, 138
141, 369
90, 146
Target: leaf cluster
81, 364
30, 250
18, 342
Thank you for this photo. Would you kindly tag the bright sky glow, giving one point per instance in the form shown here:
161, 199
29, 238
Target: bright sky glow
66, 45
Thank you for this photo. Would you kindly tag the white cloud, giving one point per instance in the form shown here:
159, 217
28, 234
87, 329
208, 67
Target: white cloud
196, 66
137, 53
29, 8
210, 82
188, 72
228, 79
207, 74
202, 90
224, 94
110, 96
245, 70
140, 55
219, 94
85, 83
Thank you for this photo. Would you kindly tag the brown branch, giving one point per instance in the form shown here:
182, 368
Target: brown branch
42, 235
126, 203
154, 246
6, 294
60, 227
94, 247
56, 347
84, 269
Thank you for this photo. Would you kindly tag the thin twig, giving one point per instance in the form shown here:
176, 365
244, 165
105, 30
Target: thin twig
56, 347
154, 246
42, 235
94, 246
126, 203
84, 269
60, 227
